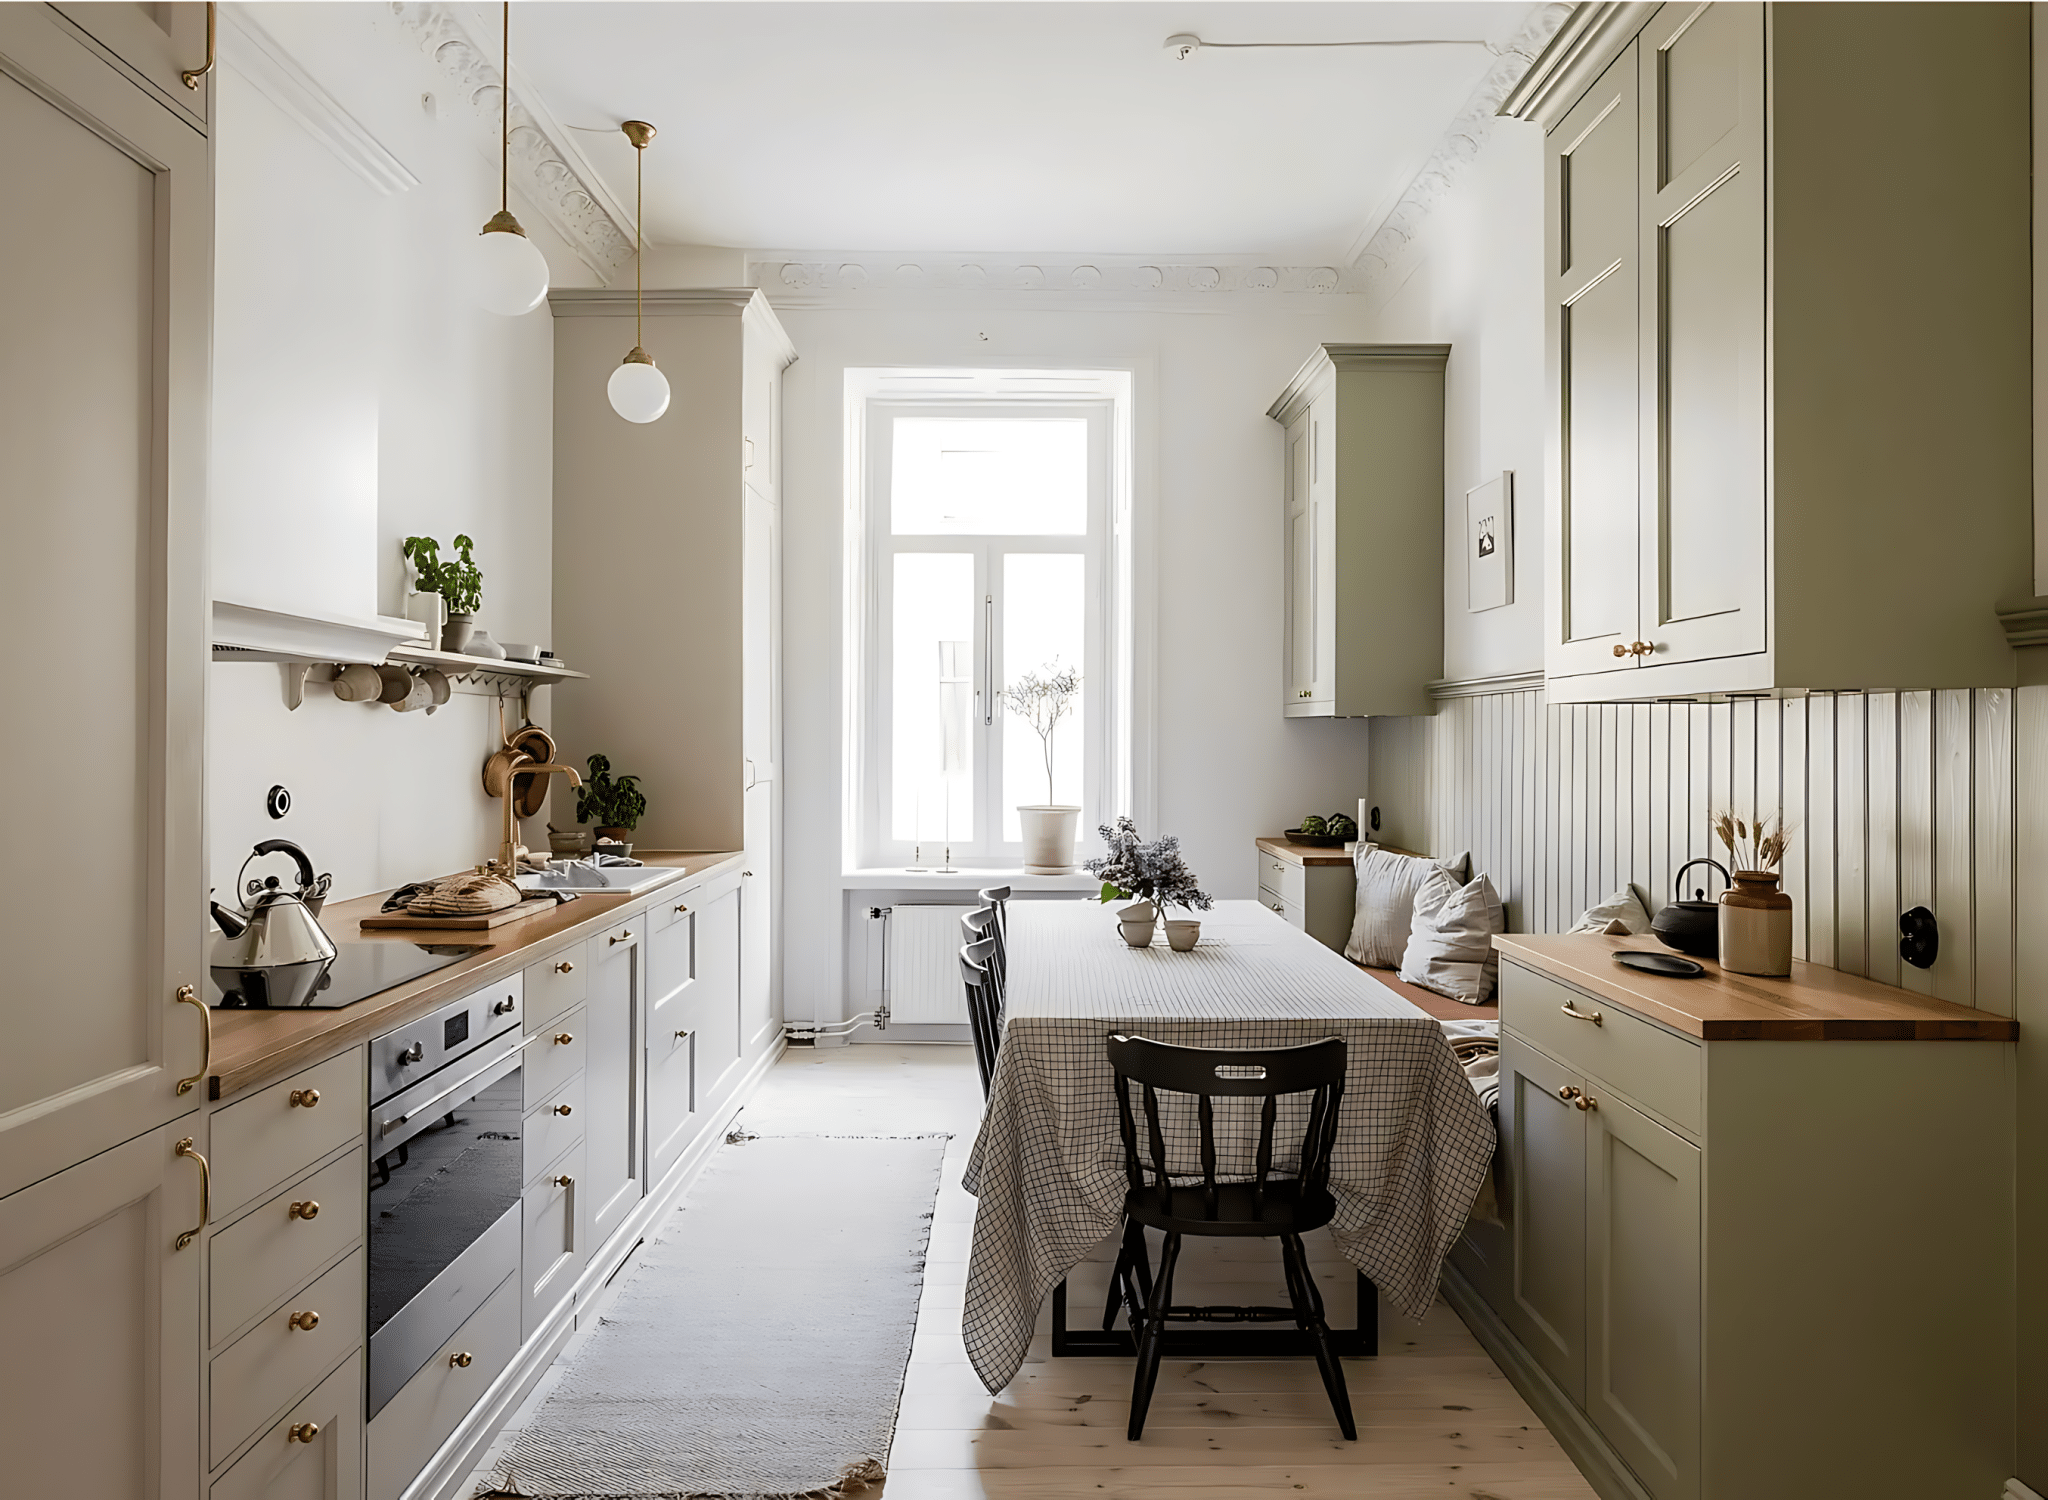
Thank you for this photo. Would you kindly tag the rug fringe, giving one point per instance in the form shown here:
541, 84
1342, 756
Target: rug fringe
853, 1481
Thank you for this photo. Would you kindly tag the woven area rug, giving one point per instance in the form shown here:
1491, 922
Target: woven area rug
758, 1349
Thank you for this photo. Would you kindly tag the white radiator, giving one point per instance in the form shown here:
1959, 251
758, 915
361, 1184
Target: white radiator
924, 965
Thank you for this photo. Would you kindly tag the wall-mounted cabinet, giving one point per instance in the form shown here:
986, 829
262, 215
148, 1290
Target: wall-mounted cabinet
1789, 442
1362, 501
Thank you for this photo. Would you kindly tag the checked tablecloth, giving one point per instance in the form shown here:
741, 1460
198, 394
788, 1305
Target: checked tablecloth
1412, 1142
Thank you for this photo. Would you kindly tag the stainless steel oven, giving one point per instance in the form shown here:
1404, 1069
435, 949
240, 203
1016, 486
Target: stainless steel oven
445, 1159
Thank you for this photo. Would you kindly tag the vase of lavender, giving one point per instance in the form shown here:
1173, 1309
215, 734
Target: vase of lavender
1042, 698
1155, 878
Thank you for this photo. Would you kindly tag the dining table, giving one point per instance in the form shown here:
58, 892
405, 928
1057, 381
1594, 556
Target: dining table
1413, 1143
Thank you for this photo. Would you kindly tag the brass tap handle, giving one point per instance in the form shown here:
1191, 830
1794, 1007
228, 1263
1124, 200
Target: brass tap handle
1582, 1015
563, 1109
565, 967
1568, 1093
303, 1099
184, 1148
306, 1210
565, 1181
302, 1432
304, 1321
1587, 1102
564, 1038
461, 1361
619, 937
189, 996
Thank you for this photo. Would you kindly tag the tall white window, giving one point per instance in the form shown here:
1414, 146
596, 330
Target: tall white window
988, 540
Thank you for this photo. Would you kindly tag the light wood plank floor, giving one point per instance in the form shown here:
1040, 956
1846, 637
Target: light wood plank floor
1436, 1418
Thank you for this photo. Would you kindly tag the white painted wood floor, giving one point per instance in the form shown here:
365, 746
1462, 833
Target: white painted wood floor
1436, 1418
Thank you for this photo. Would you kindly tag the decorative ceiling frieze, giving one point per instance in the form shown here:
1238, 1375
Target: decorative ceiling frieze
795, 277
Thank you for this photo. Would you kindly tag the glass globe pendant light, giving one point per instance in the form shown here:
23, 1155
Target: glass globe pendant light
638, 391
508, 271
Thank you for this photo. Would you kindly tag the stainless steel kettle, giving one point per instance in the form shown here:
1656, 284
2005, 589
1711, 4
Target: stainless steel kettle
1692, 927
278, 955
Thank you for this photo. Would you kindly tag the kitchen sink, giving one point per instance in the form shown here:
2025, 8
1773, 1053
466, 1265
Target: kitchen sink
620, 880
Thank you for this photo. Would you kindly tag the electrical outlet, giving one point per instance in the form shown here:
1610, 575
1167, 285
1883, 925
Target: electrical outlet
1375, 820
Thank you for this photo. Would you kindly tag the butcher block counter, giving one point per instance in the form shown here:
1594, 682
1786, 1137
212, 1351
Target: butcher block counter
255, 1047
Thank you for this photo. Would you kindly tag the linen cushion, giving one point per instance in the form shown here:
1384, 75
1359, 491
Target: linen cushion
1450, 942
1625, 906
1387, 883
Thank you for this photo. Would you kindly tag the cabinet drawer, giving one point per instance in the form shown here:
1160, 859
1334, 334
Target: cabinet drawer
1287, 881
416, 1421
313, 1452
613, 939
552, 1062
671, 1085
268, 1137
547, 1132
266, 1370
554, 984
262, 1256
1292, 911
670, 907
1645, 1062
553, 1251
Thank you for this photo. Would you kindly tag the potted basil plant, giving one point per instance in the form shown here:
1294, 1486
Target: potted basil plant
616, 806
458, 581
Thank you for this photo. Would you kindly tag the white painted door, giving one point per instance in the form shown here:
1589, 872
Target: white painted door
106, 242
99, 1318
760, 697
1701, 173
1591, 522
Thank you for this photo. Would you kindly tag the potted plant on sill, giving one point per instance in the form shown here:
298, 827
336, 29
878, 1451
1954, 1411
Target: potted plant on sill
1157, 877
458, 581
615, 806
1041, 699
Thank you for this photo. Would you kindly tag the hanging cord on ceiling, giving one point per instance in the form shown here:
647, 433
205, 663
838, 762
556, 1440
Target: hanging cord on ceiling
1185, 45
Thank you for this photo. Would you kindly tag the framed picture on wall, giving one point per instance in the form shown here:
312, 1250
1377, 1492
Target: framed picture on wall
1490, 543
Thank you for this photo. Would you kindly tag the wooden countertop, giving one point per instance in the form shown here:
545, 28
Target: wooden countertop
1815, 1004
1302, 854
253, 1047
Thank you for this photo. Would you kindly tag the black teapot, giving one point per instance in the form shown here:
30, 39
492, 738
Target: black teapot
1692, 927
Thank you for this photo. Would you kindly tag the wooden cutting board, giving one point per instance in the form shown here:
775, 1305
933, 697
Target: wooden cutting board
471, 923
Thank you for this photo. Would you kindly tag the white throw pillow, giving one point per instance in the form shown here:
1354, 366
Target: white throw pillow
1625, 906
1387, 883
1450, 943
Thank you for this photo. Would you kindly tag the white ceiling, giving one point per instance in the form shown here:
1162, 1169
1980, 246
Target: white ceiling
1039, 126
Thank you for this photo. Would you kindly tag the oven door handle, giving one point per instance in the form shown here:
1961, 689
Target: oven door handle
384, 1127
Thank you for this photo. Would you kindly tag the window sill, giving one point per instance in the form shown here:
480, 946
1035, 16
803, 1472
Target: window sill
966, 878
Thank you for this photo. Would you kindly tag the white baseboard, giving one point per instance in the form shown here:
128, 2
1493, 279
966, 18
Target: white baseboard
2016, 1490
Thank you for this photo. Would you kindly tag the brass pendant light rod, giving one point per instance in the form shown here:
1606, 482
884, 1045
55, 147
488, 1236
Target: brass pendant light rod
640, 133
505, 117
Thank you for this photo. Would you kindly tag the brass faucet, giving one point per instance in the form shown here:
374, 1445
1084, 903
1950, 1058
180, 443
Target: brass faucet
522, 764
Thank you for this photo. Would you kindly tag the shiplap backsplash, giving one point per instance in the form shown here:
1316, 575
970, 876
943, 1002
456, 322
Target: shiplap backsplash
1896, 800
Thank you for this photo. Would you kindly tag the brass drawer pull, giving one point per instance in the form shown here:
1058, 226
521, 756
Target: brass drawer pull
461, 1361
564, 1038
1586, 1101
681, 909
303, 1099
1568, 1093
682, 1036
1581, 1015
306, 1210
302, 1432
565, 967
563, 1109
565, 1181
184, 1148
305, 1322
188, 996
619, 937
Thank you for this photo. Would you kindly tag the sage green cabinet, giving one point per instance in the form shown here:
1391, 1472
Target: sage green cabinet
1783, 455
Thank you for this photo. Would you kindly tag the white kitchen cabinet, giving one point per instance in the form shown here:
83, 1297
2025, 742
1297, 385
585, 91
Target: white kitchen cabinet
1314, 889
1362, 498
103, 418
1768, 470
99, 1313
554, 1246
313, 1452
717, 1004
614, 1171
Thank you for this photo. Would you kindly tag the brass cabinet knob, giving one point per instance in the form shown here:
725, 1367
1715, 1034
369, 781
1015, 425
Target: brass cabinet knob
681, 909
305, 1322
1641, 648
563, 1109
682, 1036
565, 967
1586, 1101
1568, 1093
619, 937
1620, 650
564, 1038
306, 1210
304, 1098
1304, 692
565, 1180
302, 1432
461, 1361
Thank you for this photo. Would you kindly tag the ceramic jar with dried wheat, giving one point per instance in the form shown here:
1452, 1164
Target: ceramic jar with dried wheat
1755, 916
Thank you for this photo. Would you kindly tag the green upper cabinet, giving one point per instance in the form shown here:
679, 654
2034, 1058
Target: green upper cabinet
1788, 282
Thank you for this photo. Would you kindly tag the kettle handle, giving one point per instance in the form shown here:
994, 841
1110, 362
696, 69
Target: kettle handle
1678, 880
306, 875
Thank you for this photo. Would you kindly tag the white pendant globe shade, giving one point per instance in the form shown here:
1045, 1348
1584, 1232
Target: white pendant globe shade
639, 392
509, 273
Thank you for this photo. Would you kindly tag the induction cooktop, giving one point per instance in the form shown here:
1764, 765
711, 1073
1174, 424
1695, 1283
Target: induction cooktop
359, 969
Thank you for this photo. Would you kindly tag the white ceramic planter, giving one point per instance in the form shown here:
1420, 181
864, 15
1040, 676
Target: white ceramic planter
1049, 839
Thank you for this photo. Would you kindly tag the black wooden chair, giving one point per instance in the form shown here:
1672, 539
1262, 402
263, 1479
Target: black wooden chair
1266, 1206
976, 971
998, 896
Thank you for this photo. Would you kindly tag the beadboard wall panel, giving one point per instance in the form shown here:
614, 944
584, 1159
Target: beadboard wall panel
1896, 800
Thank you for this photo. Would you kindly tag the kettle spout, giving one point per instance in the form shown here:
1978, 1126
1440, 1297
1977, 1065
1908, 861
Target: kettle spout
227, 921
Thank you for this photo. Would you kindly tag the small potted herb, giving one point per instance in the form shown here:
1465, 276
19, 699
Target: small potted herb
457, 581
616, 806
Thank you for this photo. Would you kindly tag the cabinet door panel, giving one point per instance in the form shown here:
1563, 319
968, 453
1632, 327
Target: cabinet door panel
671, 1044
154, 44
102, 421
1593, 316
716, 1003
1704, 555
1300, 644
613, 1172
1544, 1136
1643, 1295
289, 1462
99, 1313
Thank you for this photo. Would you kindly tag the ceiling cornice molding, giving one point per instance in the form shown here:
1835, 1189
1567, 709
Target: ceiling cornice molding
747, 303
550, 173
1391, 241
820, 278
1579, 51
252, 52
